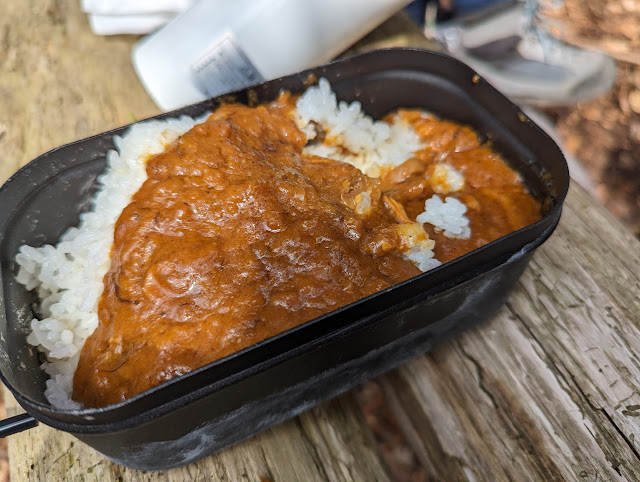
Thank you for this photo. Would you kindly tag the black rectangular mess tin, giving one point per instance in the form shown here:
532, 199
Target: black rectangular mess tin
228, 400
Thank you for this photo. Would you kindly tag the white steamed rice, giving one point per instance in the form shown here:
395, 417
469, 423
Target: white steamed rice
68, 277
447, 216
370, 144
445, 179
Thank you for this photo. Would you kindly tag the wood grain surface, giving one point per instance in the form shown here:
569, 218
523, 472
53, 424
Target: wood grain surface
546, 390
325, 443
59, 82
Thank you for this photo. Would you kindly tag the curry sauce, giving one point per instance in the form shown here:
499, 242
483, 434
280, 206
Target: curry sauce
496, 199
236, 235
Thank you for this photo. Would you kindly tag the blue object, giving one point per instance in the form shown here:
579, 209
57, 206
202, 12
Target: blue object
460, 8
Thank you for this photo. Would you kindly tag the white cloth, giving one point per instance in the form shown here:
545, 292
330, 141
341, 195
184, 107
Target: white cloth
134, 7
112, 17
127, 24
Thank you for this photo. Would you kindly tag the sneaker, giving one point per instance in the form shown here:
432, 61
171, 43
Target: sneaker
512, 50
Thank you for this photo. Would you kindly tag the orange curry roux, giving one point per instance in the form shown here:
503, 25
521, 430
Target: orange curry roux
236, 236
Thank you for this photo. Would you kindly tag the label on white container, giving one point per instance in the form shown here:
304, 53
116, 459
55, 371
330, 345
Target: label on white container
224, 67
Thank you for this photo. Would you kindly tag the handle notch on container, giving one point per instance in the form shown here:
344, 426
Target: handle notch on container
17, 423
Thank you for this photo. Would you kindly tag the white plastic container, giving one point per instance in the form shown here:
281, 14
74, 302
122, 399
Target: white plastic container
218, 46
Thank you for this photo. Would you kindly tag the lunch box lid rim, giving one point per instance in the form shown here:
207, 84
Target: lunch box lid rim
546, 220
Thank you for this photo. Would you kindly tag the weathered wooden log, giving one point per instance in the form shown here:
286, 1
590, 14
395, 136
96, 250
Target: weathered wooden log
548, 389
325, 443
